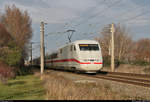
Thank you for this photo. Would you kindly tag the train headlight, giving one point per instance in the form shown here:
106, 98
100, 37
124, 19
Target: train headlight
85, 60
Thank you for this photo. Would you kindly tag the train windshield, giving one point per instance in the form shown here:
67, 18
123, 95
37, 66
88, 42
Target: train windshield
88, 47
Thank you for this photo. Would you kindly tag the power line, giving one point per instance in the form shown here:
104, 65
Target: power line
124, 13
93, 9
89, 10
80, 16
55, 33
127, 12
142, 14
105, 10
97, 14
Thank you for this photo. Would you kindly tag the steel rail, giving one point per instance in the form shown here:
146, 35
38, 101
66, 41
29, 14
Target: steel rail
120, 80
126, 74
123, 78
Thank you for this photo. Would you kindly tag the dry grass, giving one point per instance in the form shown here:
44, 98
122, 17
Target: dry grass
126, 68
60, 88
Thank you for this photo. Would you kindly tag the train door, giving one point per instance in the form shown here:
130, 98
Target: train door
65, 56
70, 55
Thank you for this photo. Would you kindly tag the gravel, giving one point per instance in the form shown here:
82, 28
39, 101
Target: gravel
127, 90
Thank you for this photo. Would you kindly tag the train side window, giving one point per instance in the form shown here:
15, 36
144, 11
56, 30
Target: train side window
60, 51
71, 48
54, 55
74, 48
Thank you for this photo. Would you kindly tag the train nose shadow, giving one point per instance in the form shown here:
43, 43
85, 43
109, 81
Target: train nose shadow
16, 82
103, 72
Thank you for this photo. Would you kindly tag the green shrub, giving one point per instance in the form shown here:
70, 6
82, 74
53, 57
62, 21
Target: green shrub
11, 55
107, 61
23, 71
140, 63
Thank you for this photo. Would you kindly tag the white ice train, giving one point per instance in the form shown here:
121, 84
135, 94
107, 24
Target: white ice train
81, 56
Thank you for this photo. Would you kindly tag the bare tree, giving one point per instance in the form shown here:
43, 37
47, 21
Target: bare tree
123, 42
121, 38
18, 24
141, 50
5, 37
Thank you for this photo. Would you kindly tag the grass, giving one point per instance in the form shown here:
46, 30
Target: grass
26, 87
59, 88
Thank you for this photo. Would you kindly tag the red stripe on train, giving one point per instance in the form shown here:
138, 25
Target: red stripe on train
72, 60
98, 63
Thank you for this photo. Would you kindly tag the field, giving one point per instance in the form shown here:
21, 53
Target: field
58, 87
22, 88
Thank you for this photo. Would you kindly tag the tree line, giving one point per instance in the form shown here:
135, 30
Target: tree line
127, 50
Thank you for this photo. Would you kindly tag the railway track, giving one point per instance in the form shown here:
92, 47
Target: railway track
128, 78
126, 74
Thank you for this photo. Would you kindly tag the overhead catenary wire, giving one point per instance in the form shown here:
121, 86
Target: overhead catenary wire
93, 8
129, 19
103, 10
64, 32
109, 6
93, 16
127, 12
89, 10
98, 14
132, 18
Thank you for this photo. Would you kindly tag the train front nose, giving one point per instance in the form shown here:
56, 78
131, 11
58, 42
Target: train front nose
91, 64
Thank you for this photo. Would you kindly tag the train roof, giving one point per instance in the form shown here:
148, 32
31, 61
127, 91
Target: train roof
80, 42
77, 42
85, 41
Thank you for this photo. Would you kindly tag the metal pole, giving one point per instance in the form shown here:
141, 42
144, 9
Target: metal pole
42, 48
112, 47
31, 54
44, 55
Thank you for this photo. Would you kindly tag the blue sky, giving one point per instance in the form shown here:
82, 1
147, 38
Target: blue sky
87, 17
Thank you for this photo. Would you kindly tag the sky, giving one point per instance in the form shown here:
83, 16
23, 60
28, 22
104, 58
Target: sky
86, 17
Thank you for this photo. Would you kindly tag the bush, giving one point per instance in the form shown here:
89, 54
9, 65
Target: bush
24, 71
140, 63
11, 55
6, 73
107, 61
